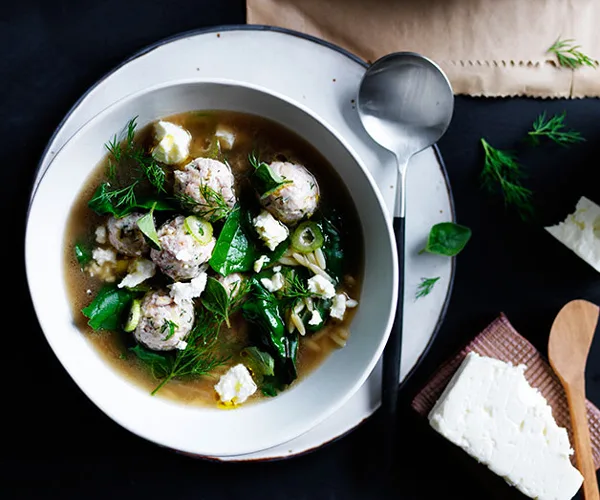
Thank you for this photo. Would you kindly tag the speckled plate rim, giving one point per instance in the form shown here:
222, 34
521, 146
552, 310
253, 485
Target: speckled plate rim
50, 150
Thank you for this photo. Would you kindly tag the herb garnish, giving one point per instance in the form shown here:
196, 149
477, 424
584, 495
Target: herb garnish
569, 56
426, 286
554, 129
222, 303
213, 208
266, 181
502, 170
447, 238
171, 325
199, 358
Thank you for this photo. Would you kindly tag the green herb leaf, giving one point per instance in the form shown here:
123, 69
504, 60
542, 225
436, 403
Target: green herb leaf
260, 363
569, 56
120, 202
82, 254
107, 310
233, 251
221, 302
265, 180
148, 229
501, 171
159, 364
447, 238
426, 286
332, 245
553, 129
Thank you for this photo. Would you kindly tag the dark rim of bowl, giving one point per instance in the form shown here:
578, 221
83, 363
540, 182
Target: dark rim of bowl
319, 41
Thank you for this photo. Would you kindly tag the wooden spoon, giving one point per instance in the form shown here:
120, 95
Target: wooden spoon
570, 339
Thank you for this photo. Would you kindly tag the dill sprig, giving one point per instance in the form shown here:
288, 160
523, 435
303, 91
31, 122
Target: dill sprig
554, 129
569, 56
294, 289
200, 356
426, 286
502, 170
213, 208
117, 197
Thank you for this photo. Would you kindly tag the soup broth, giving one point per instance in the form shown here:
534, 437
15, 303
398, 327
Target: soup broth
252, 136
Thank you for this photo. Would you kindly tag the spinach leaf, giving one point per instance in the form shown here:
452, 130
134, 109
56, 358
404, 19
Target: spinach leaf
120, 202
82, 254
148, 229
260, 363
106, 311
332, 247
264, 179
160, 364
447, 238
233, 251
223, 303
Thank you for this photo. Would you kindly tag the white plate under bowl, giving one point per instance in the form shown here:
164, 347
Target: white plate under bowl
324, 78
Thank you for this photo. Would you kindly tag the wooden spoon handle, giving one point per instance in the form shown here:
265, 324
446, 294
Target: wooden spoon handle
581, 438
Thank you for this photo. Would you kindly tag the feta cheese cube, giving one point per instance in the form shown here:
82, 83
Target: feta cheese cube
318, 285
104, 255
101, 235
270, 230
275, 283
139, 271
225, 136
340, 303
260, 262
491, 412
235, 386
315, 318
173, 143
181, 292
580, 232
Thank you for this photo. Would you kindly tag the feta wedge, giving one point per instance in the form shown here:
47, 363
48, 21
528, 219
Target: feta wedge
580, 232
270, 230
491, 412
173, 143
236, 385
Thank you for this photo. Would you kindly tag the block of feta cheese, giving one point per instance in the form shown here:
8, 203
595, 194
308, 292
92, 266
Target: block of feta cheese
490, 411
580, 232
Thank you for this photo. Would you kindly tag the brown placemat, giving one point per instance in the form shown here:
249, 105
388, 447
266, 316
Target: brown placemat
501, 341
486, 47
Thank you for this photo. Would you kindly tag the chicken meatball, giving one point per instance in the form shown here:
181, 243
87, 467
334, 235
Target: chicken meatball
201, 181
296, 199
164, 324
125, 235
181, 255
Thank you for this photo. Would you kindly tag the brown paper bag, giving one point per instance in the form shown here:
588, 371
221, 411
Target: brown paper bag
486, 47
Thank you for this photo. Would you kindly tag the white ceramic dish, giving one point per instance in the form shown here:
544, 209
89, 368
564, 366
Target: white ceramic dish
325, 78
186, 428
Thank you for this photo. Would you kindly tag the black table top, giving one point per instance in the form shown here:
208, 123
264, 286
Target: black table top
56, 443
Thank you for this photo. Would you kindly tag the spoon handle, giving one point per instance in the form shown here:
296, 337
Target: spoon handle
391, 356
581, 437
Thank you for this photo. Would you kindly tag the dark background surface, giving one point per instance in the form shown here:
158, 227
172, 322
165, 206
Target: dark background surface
56, 443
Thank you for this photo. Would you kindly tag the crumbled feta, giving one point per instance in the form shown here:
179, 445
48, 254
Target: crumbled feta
275, 283
270, 230
101, 234
181, 345
181, 292
232, 283
225, 136
580, 232
236, 385
104, 255
276, 269
340, 303
260, 262
315, 318
173, 143
139, 271
318, 285
490, 411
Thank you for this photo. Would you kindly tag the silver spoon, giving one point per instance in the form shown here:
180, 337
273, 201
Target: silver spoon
405, 103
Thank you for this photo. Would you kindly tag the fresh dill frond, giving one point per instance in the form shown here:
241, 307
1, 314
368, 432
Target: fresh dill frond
426, 286
554, 129
213, 208
171, 325
117, 197
569, 56
501, 170
293, 290
200, 356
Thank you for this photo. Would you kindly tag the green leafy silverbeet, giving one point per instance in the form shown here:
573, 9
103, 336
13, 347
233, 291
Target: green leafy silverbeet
233, 251
447, 238
107, 309
148, 229
82, 254
120, 202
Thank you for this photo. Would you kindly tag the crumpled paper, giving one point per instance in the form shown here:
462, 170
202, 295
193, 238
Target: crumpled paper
493, 48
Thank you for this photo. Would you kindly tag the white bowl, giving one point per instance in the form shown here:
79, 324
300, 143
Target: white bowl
192, 429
